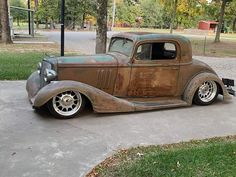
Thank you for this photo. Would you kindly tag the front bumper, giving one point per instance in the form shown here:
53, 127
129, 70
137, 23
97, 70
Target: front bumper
33, 86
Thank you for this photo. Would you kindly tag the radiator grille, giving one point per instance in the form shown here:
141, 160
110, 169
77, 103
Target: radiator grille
104, 78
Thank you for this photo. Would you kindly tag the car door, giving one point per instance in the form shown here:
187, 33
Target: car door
155, 69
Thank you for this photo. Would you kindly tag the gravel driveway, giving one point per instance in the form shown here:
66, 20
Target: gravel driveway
224, 67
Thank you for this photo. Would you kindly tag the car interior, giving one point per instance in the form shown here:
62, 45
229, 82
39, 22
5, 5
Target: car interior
156, 51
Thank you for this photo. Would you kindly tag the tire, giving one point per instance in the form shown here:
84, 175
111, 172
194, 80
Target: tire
206, 93
66, 105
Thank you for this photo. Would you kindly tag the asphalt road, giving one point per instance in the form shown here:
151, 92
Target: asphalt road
83, 42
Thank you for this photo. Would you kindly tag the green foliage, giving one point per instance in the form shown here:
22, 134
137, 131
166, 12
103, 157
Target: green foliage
152, 13
158, 13
16, 13
75, 11
48, 10
128, 12
230, 15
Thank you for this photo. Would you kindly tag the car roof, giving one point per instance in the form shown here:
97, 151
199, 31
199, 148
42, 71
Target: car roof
141, 36
184, 42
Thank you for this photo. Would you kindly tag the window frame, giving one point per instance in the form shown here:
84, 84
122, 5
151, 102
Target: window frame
175, 60
131, 52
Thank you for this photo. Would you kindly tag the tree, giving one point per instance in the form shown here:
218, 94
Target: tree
48, 11
152, 12
188, 13
76, 12
128, 11
16, 13
5, 27
230, 15
101, 32
222, 12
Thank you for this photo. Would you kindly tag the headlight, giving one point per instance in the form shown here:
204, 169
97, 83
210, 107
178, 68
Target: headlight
49, 75
39, 67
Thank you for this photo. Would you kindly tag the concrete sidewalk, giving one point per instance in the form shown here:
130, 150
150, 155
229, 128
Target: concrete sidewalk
35, 144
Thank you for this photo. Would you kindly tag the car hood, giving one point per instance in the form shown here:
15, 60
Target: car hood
96, 60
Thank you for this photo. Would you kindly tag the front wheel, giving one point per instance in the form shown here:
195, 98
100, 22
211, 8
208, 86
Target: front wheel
66, 104
206, 94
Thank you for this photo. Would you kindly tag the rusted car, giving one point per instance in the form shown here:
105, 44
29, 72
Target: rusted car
140, 71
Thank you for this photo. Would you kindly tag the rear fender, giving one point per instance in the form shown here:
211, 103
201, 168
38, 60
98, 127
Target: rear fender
193, 85
100, 100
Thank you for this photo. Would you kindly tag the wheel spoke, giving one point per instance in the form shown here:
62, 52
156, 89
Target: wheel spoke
67, 103
207, 91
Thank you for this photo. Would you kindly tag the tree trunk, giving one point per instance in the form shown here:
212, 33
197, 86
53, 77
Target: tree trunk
18, 21
234, 25
101, 32
51, 24
37, 23
5, 34
82, 23
73, 22
36, 3
222, 12
173, 16
46, 23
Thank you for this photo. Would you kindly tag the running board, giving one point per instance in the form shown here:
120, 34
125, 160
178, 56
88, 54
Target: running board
161, 104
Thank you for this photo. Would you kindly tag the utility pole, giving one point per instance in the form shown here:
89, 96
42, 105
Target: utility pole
62, 26
29, 19
113, 14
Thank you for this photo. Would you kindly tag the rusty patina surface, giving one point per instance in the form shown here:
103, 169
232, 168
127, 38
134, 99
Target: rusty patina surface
118, 82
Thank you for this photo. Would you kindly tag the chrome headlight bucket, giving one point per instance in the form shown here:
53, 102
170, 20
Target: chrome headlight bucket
49, 75
39, 67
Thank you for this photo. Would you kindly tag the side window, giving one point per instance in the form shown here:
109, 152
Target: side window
169, 51
156, 51
144, 52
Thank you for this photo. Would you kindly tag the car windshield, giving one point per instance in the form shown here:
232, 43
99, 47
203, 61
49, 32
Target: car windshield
121, 45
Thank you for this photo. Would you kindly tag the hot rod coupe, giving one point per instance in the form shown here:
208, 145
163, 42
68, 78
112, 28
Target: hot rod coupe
140, 71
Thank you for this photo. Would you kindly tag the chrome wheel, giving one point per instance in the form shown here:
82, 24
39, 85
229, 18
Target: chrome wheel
207, 91
67, 103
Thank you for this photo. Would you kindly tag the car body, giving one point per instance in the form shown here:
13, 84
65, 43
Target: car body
140, 71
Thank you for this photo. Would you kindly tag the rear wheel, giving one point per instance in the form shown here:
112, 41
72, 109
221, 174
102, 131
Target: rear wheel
66, 104
206, 94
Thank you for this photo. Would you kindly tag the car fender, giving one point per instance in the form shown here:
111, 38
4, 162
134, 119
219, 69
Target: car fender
196, 81
100, 100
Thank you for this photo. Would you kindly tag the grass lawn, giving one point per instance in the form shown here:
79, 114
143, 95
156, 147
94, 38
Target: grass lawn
226, 48
18, 66
212, 157
18, 61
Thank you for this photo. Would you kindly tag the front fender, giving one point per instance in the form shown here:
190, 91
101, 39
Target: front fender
198, 80
100, 100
